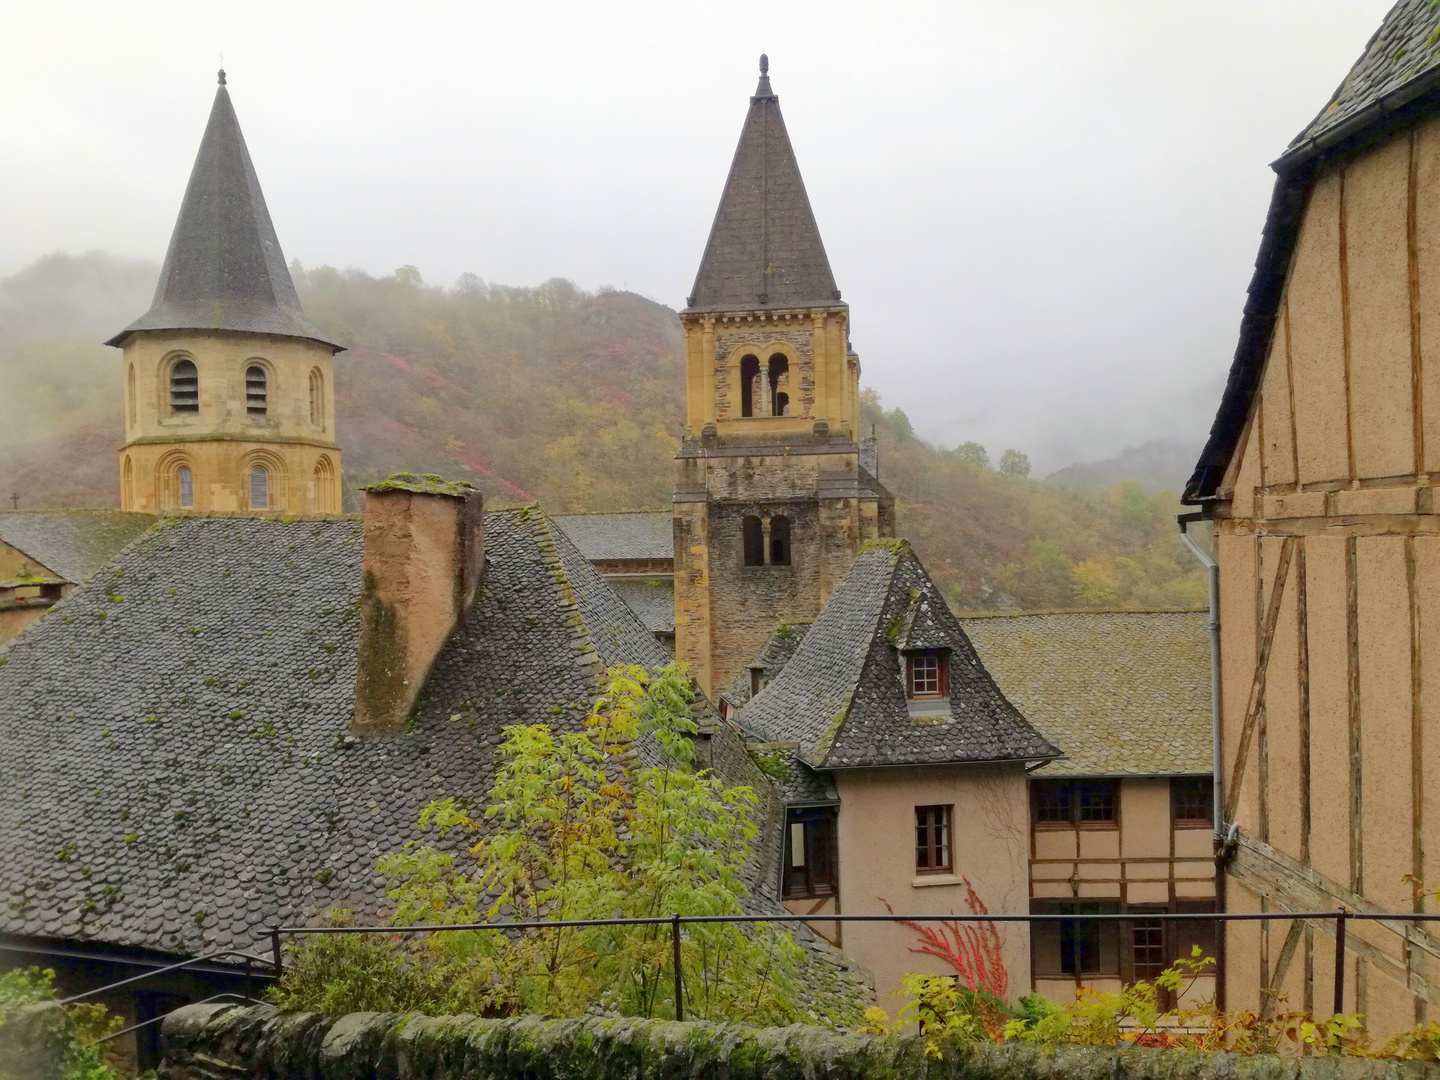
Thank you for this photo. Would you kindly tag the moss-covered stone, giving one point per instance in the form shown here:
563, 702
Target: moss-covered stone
425, 484
211, 1042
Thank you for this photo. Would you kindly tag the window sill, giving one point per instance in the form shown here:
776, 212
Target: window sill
927, 880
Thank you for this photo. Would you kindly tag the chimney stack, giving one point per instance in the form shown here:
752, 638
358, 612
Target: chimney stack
424, 553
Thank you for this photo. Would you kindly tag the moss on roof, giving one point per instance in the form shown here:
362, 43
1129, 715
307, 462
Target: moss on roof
426, 484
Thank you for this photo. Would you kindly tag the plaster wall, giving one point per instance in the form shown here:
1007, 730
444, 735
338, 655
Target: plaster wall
1338, 467
876, 842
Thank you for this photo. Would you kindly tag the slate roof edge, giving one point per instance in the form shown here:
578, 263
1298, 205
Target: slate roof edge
118, 340
1043, 612
1122, 775
769, 309
961, 762
1296, 171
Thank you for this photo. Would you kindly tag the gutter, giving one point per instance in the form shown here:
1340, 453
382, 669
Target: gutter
1212, 571
1360, 122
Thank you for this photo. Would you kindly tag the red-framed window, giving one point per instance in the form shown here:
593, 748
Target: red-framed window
927, 674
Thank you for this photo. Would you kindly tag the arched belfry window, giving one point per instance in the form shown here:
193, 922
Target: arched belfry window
754, 541
256, 391
127, 485
779, 375
130, 395
323, 486
780, 541
184, 387
749, 384
185, 485
259, 487
317, 398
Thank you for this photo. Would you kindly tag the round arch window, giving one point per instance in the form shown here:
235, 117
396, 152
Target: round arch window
259, 488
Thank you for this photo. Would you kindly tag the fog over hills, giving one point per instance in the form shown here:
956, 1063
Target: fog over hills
575, 399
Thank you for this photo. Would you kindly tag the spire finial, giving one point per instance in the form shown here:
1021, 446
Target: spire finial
763, 89
221, 76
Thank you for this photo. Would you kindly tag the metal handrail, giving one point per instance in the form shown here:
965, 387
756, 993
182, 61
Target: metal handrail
1341, 916
173, 967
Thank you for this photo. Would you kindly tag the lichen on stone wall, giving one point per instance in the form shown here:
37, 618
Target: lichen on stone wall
424, 484
222, 1042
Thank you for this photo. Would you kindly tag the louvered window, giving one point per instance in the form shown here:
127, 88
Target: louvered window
259, 488
255, 395
184, 388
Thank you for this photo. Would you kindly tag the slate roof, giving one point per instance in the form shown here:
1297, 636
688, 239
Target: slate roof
1122, 693
71, 543
1395, 83
799, 784
640, 534
842, 696
224, 269
779, 647
219, 775
652, 600
764, 249
180, 770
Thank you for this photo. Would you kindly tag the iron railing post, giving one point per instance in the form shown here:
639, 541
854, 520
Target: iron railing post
1340, 916
275, 952
679, 977
246, 993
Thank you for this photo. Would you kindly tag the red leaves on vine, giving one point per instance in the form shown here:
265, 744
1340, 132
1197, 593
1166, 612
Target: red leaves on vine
974, 950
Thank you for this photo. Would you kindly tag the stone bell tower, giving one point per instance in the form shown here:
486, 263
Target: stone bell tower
775, 490
229, 389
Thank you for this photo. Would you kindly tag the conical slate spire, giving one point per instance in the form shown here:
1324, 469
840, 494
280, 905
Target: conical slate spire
224, 269
764, 249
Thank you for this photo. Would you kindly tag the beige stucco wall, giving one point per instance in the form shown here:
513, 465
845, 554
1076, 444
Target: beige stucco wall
1338, 466
419, 572
222, 441
876, 840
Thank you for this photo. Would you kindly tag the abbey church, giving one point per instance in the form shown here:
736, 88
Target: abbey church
219, 726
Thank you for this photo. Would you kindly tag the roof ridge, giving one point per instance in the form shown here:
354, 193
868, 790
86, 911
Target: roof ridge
565, 593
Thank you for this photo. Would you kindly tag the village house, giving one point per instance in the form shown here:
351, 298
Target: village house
227, 725
1319, 476
233, 718
44, 554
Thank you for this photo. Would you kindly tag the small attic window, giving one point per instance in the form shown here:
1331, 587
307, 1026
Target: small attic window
927, 674
256, 397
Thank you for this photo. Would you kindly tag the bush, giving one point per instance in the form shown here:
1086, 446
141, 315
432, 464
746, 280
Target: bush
70, 1037
580, 830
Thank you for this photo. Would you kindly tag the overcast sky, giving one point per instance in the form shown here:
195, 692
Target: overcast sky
1043, 215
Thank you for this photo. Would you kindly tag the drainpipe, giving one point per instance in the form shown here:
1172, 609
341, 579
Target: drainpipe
1213, 625
1212, 571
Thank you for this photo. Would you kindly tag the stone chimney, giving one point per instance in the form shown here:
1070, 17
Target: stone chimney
424, 553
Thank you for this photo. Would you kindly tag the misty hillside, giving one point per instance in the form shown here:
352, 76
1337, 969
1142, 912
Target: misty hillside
1159, 465
560, 395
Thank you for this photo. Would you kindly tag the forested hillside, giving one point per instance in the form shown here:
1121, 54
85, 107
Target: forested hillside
560, 395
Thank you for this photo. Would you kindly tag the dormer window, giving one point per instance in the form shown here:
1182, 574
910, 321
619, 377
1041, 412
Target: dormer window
256, 395
927, 674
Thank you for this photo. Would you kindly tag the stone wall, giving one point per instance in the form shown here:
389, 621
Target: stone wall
217, 1042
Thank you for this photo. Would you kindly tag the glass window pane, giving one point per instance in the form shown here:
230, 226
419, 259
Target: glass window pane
187, 487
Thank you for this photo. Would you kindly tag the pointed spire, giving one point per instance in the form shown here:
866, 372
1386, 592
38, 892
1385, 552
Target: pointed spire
224, 269
764, 249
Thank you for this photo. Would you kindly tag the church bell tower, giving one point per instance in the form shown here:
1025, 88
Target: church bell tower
229, 389
775, 488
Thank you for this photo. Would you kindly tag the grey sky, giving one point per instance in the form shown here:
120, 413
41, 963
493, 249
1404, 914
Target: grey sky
1043, 215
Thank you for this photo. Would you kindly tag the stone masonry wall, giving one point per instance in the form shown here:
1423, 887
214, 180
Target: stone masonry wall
221, 1042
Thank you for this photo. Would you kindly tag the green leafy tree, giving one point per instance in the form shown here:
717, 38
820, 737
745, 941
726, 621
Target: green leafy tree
1014, 464
579, 829
974, 453
73, 1032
